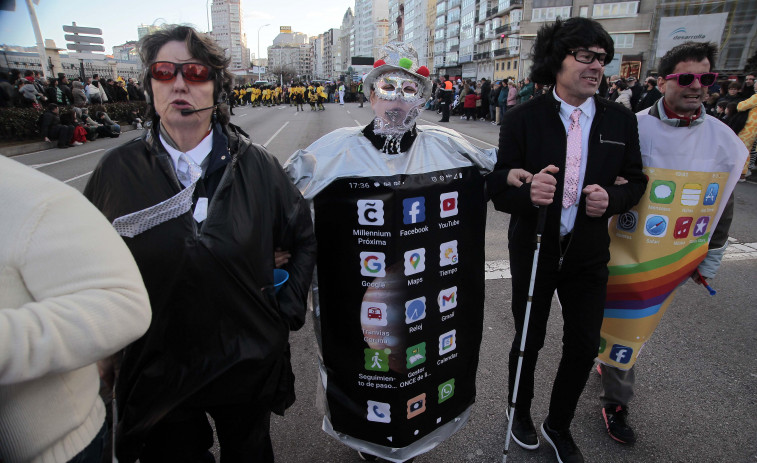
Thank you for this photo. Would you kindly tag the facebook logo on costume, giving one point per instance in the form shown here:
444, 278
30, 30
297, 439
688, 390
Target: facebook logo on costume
413, 210
621, 354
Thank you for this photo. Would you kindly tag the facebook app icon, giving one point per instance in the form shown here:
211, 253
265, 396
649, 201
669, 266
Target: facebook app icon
413, 210
621, 354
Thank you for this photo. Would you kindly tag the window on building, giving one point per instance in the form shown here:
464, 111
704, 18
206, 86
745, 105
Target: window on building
615, 10
550, 14
516, 16
508, 65
467, 3
515, 65
439, 34
622, 40
453, 15
466, 32
441, 7
440, 21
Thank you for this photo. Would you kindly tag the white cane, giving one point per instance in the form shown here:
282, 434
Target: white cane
539, 231
113, 430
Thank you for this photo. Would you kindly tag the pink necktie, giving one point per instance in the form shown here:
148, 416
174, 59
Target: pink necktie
572, 160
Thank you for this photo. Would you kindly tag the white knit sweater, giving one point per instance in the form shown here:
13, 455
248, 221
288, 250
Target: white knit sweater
70, 294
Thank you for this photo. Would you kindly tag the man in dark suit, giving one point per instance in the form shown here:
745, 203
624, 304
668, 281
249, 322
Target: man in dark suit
602, 144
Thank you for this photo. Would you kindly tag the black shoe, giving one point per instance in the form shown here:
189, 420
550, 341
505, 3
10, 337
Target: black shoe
615, 419
442, 120
562, 441
524, 431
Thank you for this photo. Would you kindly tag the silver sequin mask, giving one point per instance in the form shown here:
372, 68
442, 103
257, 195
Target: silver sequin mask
398, 104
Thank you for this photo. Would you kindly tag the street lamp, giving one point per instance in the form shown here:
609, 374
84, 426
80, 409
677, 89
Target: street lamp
264, 25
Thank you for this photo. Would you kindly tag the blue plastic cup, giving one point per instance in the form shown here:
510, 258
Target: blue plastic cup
280, 276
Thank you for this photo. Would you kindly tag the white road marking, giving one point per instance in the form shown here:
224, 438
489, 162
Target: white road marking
77, 177
240, 115
277, 132
500, 269
37, 166
357, 122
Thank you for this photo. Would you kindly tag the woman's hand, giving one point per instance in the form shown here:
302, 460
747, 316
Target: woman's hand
281, 258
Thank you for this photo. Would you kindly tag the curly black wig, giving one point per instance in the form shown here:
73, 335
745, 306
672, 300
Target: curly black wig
553, 41
688, 51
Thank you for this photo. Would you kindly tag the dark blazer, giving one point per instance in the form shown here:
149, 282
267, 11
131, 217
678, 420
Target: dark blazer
533, 136
648, 99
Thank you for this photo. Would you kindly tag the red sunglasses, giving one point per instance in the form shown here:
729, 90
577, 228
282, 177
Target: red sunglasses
685, 79
192, 72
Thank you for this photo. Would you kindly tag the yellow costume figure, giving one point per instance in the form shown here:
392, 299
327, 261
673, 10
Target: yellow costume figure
321, 92
267, 97
312, 97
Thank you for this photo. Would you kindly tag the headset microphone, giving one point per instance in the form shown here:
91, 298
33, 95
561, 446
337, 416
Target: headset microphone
187, 112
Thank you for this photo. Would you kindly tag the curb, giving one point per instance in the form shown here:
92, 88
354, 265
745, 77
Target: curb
31, 147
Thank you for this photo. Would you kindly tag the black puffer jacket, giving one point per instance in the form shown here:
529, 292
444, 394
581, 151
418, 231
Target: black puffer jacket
219, 333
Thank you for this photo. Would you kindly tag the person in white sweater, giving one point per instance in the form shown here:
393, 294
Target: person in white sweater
70, 295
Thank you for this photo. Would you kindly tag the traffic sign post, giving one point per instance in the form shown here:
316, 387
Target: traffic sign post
84, 41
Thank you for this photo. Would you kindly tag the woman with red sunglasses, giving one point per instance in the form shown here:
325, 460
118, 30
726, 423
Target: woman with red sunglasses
203, 210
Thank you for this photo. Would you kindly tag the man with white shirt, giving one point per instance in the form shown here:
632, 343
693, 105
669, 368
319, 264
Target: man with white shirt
563, 150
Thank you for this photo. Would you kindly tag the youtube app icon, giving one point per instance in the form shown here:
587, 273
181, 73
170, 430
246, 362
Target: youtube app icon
448, 204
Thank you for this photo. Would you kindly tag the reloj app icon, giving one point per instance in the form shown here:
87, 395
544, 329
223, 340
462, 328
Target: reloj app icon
416, 405
448, 204
416, 355
379, 412
413, 210
447, 342
662, 191
373, 313
372, 264
446, 390
377, 359
415, 261
415, 310
370, 212
447, 299
448, 253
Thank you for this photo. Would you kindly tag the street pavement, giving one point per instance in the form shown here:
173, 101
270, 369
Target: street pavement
696, 379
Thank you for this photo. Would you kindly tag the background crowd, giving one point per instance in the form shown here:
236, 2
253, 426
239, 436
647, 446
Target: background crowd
71, 111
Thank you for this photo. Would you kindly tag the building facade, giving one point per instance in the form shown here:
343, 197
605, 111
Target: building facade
228, 30
371, 26
408, 22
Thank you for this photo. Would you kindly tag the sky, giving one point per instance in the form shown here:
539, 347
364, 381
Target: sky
119, 20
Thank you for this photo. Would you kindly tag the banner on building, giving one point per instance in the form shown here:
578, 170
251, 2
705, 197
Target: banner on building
676, 30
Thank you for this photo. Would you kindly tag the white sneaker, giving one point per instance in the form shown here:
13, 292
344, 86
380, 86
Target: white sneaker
76, 143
